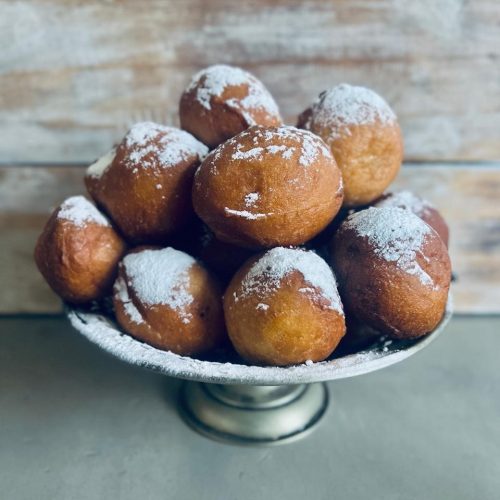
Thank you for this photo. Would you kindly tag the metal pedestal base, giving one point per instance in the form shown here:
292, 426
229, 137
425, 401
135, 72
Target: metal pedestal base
253, 415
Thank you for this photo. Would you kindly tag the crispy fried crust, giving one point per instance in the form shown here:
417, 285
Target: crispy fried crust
79, 263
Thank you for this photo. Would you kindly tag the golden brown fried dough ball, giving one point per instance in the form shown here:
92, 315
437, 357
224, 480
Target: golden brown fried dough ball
145, 187
168, 300
268, 187
364, 136
78, 251
420, 207
393, 271
222, 101
283, 308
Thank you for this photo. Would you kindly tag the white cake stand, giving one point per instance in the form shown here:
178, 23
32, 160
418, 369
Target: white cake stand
244, 404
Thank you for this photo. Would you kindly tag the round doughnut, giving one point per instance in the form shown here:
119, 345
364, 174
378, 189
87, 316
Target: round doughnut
420, 207
282, 308
364, 136
78, 251
393, 270
222, 101
145, 186
168, 300
223, 258
268, 187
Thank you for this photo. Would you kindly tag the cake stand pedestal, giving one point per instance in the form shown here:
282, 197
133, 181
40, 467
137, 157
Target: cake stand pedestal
253, 414
251, 405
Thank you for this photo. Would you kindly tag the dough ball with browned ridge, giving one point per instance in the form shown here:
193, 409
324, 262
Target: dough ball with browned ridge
364, 136
168, 300
78, 251
420, 207
223, 258
282, 308
393, 271
222, 101
145, 186
268, 187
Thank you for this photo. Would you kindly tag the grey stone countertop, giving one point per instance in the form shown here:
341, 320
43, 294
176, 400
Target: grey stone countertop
76, 423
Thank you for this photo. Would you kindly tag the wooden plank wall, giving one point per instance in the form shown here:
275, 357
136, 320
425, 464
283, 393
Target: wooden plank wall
74, 74
468, 198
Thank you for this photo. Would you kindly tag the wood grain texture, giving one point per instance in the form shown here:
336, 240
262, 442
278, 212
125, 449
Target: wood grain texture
74, 75
467, 196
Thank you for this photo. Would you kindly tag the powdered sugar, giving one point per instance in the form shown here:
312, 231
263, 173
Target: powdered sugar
251, 199
270, 141
120, 288
245, 214
406, 200
104, 333
152, 145
97, 169
344, 105
396, 235
212, 82
267, 273
80, 212
161, 277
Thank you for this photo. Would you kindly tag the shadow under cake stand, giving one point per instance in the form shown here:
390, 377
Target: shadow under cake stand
244, 404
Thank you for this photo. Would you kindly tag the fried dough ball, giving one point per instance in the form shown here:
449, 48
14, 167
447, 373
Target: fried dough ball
78, 251
168, 300
420, 207
222, 101
282, 308
268, 187
145, 186
393, 270
364, 136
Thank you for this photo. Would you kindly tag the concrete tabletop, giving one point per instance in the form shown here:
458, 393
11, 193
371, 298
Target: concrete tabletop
77, 424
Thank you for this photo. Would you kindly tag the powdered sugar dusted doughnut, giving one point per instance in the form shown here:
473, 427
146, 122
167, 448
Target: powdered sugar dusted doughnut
145, 186
393, 269
283, 308
268, 187
364, 136
420, 207
168, 300
78, 251
222, 101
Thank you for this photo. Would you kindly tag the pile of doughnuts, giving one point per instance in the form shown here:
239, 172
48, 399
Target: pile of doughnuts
238, 232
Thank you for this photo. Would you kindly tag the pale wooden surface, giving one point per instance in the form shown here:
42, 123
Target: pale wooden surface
467, 196
74, 74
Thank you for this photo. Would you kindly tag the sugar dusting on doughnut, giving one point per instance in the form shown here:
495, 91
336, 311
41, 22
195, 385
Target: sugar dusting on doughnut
245, 214
406, 200
79, 211
345, 105
397, 235
168, 145
97, 169
161, 277
212, 82
308, 144
120, 288
267, 273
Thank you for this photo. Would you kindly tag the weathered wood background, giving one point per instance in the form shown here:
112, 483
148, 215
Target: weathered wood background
468, 198
75, 74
